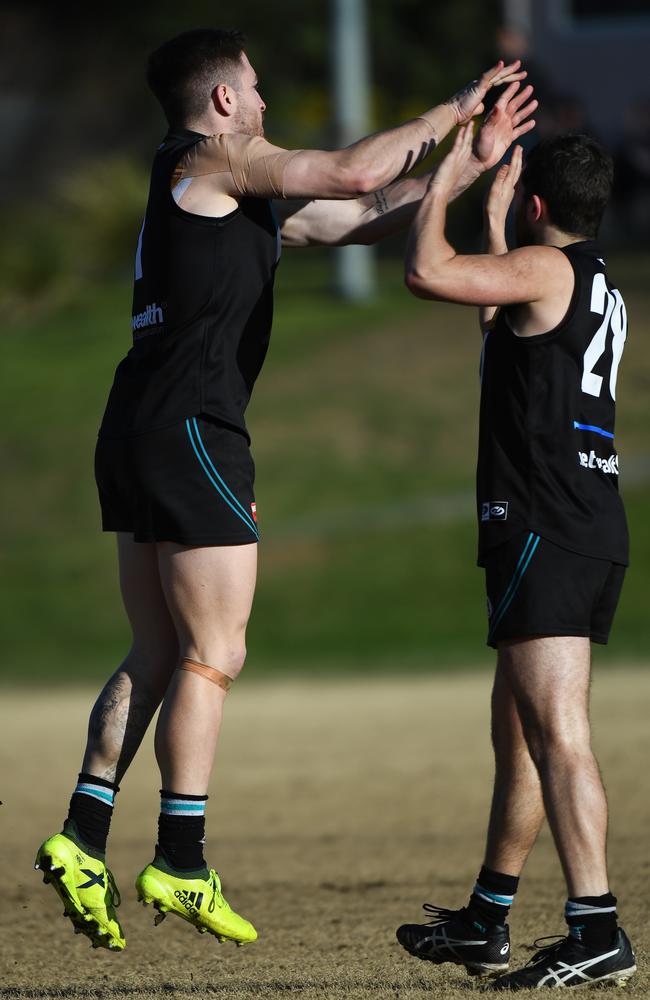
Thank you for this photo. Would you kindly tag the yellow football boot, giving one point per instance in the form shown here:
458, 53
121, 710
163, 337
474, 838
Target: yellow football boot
87, 889
197, 899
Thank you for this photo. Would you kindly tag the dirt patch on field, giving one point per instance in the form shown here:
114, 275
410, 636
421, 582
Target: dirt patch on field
336, 810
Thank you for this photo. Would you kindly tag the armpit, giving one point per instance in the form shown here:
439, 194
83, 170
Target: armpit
256, 168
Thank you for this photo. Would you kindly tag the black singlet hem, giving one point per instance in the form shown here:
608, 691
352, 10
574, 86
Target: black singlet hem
554, 540
149, 429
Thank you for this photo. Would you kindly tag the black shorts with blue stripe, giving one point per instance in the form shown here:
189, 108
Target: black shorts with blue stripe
190, 483
535, 587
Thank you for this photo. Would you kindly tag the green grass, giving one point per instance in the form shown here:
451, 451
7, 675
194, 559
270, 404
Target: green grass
364, 435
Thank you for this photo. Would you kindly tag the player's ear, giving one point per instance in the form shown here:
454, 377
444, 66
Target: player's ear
538, 208
223, 99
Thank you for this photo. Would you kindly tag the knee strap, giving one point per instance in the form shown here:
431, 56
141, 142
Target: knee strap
210, 673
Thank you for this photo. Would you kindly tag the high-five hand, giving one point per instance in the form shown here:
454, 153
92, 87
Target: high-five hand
446, 177
469, 101
507, 122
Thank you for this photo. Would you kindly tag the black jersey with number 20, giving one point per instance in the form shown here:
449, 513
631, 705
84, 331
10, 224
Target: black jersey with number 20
202, 308
547, 461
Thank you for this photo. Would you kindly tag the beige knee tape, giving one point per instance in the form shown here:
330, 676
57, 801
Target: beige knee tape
210, 673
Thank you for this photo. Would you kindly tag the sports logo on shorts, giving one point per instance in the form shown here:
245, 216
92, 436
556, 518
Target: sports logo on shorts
494, 510
254, 511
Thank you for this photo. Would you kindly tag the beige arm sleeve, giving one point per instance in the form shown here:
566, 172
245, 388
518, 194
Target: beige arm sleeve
255, 167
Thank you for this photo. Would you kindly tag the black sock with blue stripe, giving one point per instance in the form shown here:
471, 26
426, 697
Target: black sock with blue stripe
592, 919
491, 899
90, 813
181, 831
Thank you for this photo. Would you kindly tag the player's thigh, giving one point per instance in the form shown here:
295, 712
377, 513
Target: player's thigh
155, 641
549, 677
209, 591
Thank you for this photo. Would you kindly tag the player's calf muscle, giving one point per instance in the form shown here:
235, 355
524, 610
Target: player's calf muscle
118, 721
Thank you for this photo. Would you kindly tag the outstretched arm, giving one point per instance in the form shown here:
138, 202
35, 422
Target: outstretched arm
435, 271
392, 209
380, 159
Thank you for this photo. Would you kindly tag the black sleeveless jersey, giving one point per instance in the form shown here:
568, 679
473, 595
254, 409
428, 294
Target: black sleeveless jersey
202, 308
547, 461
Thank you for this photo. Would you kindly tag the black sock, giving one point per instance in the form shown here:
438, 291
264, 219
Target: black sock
491, 898
181, 830
90, 812
592, 919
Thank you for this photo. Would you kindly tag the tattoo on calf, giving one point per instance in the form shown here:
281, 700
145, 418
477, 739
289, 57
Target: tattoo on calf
118, 722
381, 202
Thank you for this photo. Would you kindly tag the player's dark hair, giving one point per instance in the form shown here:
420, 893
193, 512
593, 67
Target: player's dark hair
574, 175
183, 72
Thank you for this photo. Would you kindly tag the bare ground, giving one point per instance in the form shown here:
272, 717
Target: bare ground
335, 811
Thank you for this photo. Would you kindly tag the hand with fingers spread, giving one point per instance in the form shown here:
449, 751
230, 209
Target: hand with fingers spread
507, 122
452, 168
468, 102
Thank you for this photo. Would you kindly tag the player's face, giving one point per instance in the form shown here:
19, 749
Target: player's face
250, 106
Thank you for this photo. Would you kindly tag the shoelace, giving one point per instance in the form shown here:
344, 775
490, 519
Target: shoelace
113, 891
438, 914
216, 892
546, 950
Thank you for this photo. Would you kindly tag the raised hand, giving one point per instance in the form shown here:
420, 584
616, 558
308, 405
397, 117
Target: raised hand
447, 176
507, 122
469, 101
502, 190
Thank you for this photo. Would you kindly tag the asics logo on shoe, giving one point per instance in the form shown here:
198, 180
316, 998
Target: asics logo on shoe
505, 949
564, 971
94, 878
190, 900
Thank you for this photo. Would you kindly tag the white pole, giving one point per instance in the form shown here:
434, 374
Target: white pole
355, 265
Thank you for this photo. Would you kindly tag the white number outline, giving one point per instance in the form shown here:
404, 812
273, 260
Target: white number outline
611, 307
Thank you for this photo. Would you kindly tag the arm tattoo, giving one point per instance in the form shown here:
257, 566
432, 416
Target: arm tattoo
381, 202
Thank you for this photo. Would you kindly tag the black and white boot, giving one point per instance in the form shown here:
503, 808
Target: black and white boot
450, 936
570, 963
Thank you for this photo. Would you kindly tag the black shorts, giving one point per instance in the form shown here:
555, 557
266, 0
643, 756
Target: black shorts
535, 587
191, 483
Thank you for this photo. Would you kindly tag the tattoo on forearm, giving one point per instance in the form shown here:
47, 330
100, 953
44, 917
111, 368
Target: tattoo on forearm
118, 722
381, 202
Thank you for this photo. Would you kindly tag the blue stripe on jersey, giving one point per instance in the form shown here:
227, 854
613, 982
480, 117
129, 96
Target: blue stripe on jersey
592, 427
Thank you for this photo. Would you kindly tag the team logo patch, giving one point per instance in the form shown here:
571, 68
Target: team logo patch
254, 511
494, 510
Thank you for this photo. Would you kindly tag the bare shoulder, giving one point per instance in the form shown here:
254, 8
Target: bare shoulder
545, 258
554, 291
545, 271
